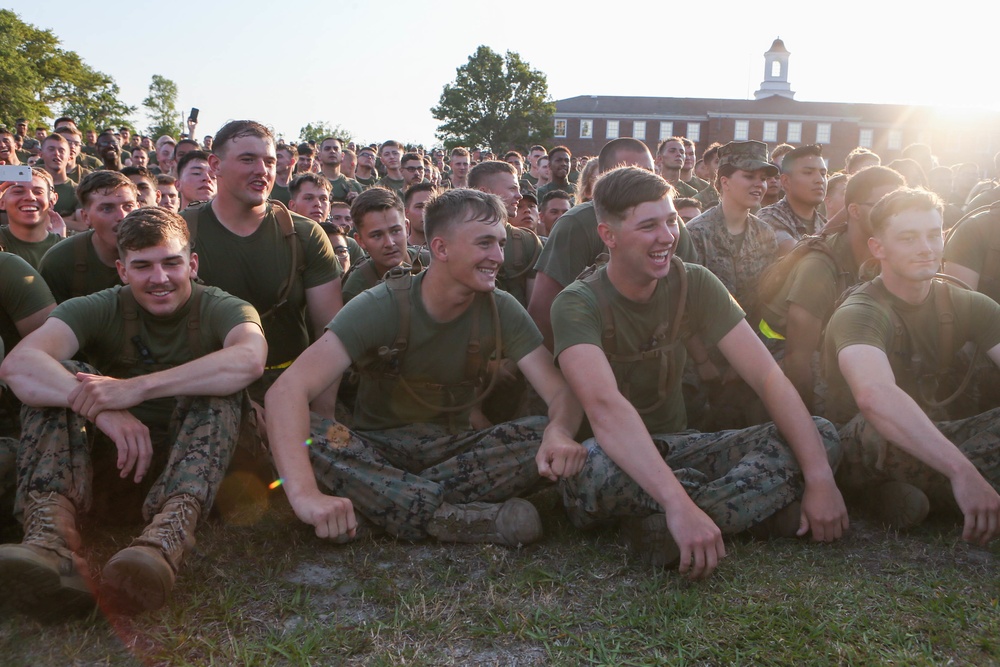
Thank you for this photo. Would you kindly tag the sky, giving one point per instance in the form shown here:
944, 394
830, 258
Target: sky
376, 68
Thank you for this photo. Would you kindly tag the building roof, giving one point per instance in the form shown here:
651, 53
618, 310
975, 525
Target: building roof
777, 46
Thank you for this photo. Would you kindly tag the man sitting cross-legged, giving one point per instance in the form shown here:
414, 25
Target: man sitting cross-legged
422, 344
170, 360
623, 326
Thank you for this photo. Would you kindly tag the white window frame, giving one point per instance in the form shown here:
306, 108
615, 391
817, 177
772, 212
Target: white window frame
824, 132
866, 137
612, 129
556, 132
771, 130
587, 124
741, 131
694, 132
793, 133
639, 129
895, 142
666, 129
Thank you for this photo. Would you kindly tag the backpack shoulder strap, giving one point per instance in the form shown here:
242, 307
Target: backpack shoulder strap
297, 265
81, 264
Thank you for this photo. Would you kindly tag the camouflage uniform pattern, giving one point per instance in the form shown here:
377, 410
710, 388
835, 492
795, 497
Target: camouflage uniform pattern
739, 269
61, 452
869, 459
397, 478
786, 224
739, 478
8, 465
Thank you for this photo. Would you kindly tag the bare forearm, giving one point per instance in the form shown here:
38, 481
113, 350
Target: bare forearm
37, 379
220, 373
287, 430
798, 368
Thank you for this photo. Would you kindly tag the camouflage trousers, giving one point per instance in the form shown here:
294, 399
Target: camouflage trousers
398, 478
870, 459
8, 465
62, 452
739, 478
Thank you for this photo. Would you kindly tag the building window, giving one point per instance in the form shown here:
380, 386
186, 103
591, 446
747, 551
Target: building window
866, 138
586, 129
742, 131
612, 130
666, 129
694, 132
560, 127
895, 140
775, 69
639, 129
770, 130
822, 133
794, 133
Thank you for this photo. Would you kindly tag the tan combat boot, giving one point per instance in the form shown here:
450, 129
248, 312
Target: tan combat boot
649, 538
43, 576
141, 576
513, 523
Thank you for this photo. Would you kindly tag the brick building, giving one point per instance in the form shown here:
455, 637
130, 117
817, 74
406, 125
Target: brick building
585, 123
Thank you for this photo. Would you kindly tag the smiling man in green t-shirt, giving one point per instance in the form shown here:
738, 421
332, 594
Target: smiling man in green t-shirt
413, 463
161, 401
622, 327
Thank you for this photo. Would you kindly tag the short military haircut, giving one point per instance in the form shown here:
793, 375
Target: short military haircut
288, 148
373, 200
192, 142
538, 147
417, 188
560, 149
348, 151
860, 187
189, 158
621, 190
58, 138
69, 130
712, 151
103, 181
305, 148
858, 155
687, 142
151, 226
483, 171
410, 157
45, 176
237, 129
331, 138
554, 194
165, 179
686, 202
367, 149
458, 150
899, 201
141, 172
610, 156
318, 180
6, 132
63, 120
788, 162
510, 154
391, 143
460, 205
836, 181
659, 146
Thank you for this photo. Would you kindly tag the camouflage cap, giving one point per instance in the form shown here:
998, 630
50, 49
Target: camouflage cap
528, 192
746, 155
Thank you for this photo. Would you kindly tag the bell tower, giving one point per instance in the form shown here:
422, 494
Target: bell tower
775, 73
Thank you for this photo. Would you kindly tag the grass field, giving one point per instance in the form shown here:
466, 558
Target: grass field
270, 593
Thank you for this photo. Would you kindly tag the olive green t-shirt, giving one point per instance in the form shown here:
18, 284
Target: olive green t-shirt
254, 267
435, 354
684, 190
68, 277
98, 324
367, 182
392, 184
813, 284
66, 205
862, 320
969, 245
29, 251
522, 249
568, 188
710, 311
362, 276
281, 193
355, 251
22, 294
342, 185
574, 244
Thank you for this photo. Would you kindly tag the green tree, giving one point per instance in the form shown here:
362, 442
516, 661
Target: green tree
316, 130
162, 108
40, 80
99, 109
496, 101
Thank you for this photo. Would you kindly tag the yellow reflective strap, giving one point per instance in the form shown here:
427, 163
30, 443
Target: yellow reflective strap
769, 332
